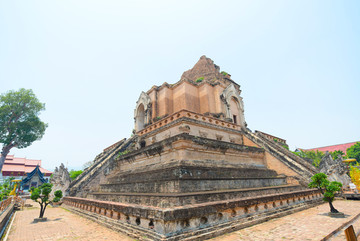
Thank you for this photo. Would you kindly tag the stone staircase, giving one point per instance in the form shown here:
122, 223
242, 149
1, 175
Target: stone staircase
101, 162
294, 162
149, 193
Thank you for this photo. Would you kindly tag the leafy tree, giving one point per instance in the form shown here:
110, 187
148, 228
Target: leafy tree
41, 195
315, 156
355, 174
354, 152
336, 153
6, 188
327, 188
74, 174
20, 125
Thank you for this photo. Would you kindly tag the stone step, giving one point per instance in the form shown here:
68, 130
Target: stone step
191, 172
181, 199
76, 187
191, 185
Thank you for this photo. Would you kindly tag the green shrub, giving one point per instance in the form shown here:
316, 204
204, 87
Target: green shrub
122, 153
42, 196
327, 188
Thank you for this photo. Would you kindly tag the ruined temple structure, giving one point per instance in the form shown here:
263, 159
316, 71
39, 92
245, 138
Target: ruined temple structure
193, 170
336, 170
61, 179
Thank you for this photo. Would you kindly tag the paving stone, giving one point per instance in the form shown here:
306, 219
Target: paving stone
61, 225
310, 224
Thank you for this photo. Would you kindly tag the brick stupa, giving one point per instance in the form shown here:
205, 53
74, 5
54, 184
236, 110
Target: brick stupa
192, 170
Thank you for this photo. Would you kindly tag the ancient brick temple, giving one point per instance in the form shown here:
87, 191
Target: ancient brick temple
192, 170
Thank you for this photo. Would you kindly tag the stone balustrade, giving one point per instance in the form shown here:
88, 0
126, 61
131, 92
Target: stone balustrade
189, 115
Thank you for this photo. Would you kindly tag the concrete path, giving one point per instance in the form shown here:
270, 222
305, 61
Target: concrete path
61, 225
310, 224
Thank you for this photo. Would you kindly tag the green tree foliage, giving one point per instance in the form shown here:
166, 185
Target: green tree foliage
41, 195
20, 125
315, 156
74, 174
336, 153
6, 188
327, 188
354, 152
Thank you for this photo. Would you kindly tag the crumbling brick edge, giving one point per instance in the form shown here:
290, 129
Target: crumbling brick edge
125, 225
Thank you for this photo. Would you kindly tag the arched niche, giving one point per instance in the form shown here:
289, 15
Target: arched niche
142, 113
140, 117
234, 109
233, 105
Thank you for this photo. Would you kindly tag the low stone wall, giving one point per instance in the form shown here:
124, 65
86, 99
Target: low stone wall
193, 222
5, 217
173, 200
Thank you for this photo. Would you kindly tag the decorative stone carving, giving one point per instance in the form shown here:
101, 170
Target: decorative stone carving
60, 179
203, 134
335, 169
232, 95
142, 112
184, 128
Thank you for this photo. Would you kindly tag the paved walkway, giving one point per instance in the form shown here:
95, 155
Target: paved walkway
310, 224
61, 225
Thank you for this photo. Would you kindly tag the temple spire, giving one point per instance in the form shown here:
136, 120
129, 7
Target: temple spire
206, 68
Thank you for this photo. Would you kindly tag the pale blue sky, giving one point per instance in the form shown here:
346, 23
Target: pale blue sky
298, 64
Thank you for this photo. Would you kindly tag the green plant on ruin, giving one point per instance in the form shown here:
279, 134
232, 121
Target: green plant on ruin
122, 153
199, 79
224, 73
285, 146
327, 188
41, 195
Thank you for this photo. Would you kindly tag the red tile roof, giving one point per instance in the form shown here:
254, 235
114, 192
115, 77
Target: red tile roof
16, 166
340, 147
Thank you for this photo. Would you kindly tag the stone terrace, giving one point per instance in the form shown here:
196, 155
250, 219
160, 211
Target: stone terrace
310, 224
